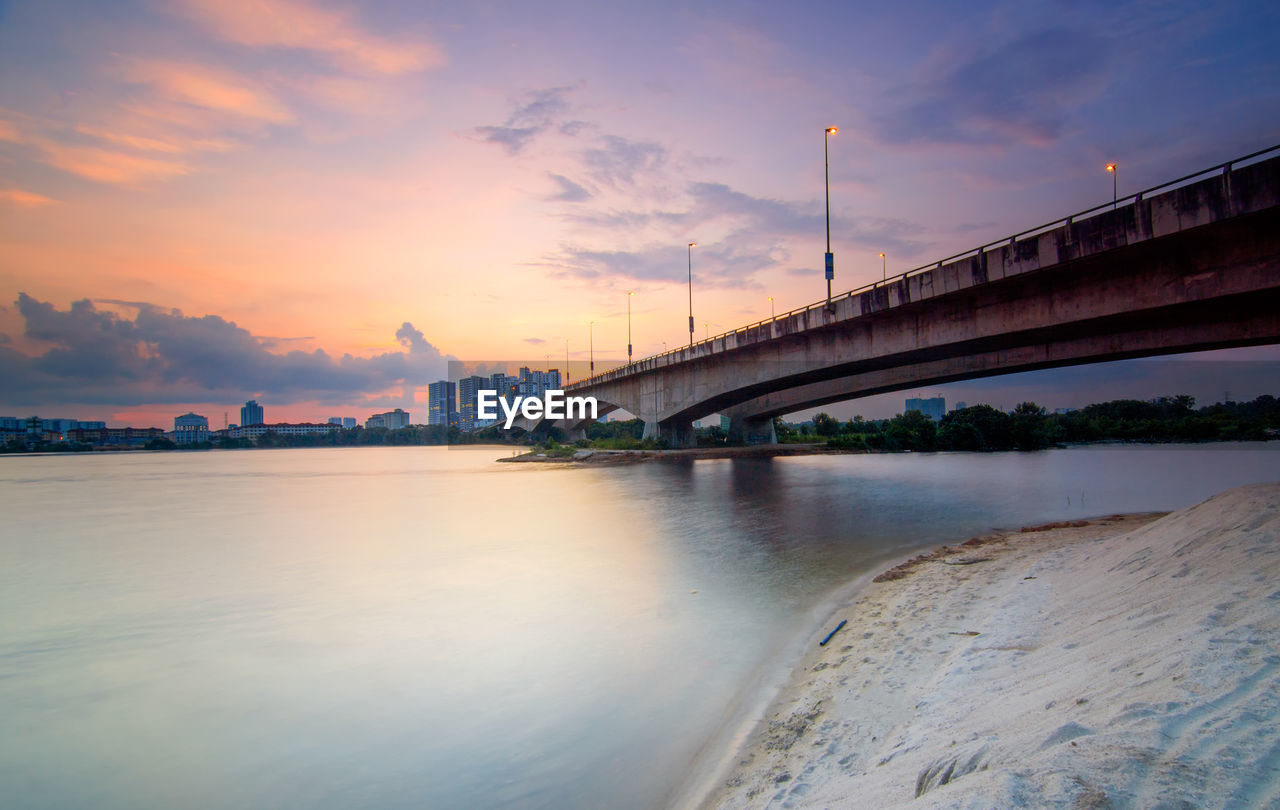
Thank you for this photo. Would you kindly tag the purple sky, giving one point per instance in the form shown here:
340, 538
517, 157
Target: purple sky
315, 203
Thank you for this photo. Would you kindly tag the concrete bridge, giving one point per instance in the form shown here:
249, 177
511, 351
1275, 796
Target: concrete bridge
1191, 265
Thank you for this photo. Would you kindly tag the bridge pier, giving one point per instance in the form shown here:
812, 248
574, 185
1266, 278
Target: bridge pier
750, 430
676, 432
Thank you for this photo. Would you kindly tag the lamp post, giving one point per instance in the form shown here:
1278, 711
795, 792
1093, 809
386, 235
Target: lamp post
773, 312
826, 168
629, 294
566, 361
591, 348
884, 267
692, 245
707, 326
1111, 167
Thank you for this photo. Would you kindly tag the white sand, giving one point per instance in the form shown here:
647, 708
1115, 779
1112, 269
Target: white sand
1128, 663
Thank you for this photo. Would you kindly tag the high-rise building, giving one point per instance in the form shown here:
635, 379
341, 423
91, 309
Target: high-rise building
442, 403
468, 389
190, 428
933, 407
251, 414
345, 422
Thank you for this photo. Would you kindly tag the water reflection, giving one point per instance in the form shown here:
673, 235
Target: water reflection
408, 627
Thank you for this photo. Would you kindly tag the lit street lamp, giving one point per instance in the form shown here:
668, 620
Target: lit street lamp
566, 361
629, 294
826, 166
884, 267
692, 245
591, 348
773, 312
1115, 173
708, 328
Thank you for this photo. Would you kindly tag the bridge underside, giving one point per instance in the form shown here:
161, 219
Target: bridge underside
1215, 286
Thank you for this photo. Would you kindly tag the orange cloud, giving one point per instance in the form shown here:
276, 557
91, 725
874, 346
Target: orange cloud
169, 145
8, 132
26, 199
301, 25
110, 167
212, 90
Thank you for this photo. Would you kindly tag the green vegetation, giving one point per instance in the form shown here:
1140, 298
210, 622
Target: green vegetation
1030, 427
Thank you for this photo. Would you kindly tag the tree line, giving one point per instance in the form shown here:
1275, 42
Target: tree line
976, 428
1030, 427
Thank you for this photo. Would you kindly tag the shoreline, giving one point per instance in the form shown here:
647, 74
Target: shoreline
703, 787
998, 669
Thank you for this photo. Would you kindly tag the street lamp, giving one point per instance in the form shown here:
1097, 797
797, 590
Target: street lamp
566, 361
692, 245
629, 294
591, 348
708, 328
884, 267
773, 312
1115, 173
826, 166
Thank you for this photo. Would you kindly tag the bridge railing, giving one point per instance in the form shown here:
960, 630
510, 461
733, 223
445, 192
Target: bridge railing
1130, 199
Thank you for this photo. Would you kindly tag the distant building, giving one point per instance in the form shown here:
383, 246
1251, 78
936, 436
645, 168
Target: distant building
724, 423
344, 422
391, 420
933, 407
280, 429
468, 391
961, 405
190, 428
115, 436
442, 403
251, 413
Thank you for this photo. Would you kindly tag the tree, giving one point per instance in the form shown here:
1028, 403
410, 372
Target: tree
980, 427
1028, 427
826, 425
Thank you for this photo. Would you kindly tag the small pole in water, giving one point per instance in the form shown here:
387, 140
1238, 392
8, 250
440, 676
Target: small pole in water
842, 623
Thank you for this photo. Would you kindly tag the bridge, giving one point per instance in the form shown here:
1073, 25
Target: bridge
1190, 265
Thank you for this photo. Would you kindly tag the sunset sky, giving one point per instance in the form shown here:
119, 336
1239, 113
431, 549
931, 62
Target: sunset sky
317, 203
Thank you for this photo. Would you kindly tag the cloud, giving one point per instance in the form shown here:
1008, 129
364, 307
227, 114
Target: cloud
94, 356
1024, 91
25, 199
107, 166
569, 190
208, 88
305, 26
144, 143
535, 341
537, 113
619, 161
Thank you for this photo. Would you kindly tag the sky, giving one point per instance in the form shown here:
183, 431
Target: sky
318, 204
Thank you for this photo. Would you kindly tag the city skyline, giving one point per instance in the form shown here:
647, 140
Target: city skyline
198, 206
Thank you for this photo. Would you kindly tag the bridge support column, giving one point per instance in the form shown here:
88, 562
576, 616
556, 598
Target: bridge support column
574, 434
677, 433
749, 430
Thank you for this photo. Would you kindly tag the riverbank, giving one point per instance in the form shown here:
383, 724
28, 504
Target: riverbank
1120, 661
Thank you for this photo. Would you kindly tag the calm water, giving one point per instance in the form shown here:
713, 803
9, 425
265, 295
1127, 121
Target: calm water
421, 627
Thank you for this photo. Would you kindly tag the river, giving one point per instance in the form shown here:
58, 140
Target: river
423, 627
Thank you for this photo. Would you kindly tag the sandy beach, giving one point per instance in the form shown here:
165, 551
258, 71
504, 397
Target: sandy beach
1121, 662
